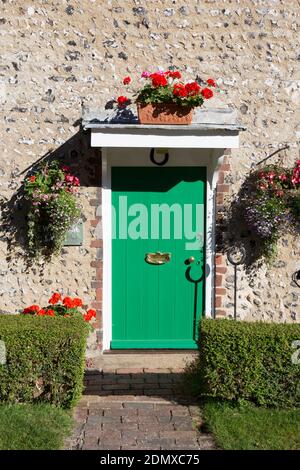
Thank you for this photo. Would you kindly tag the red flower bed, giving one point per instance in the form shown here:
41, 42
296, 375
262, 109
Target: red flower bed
61, 306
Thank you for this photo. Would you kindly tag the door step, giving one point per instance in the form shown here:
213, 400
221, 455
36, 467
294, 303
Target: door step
149, 351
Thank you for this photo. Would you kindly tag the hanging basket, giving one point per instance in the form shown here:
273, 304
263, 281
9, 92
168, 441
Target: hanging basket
164, 113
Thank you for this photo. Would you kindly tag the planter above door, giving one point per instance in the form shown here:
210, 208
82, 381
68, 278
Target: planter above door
211, 128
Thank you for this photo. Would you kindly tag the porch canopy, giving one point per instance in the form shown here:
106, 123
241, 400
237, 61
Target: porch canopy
211, 128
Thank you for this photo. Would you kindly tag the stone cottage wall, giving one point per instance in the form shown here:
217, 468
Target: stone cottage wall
57, 55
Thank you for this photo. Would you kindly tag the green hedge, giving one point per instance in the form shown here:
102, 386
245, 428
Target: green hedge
44, 359
251, 361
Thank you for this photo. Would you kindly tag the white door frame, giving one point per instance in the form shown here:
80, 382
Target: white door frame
209, 158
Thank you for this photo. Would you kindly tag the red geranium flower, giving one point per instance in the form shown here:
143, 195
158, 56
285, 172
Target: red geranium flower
77, 302
192, 88
207, 93
126, 80
50, 313
68, 302
31, 309
91, 313
175, 74
32, 179
211, 82
179, 90
41, 312
122, 100
158, 80
56, 297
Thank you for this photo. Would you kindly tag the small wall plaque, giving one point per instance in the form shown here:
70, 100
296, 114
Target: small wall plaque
74, 236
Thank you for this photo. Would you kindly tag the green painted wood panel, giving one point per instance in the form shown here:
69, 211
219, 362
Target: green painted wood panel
157, 306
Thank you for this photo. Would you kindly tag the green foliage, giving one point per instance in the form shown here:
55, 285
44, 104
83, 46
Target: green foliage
45, 359
247, 427
52, 208
249, 361
33, 427
164, 94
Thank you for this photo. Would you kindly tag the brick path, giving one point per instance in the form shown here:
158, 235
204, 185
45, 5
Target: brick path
137, 409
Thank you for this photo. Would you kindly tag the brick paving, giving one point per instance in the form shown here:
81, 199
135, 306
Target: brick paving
128, 409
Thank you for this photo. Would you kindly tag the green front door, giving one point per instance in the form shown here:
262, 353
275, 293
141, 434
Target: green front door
158, 216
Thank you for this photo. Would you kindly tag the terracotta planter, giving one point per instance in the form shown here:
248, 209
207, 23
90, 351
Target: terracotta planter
164, 113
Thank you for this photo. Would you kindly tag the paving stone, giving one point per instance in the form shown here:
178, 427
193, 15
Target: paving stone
109, 436
139, 405
130, 426
161, 442
154, 426
173, 434
132, 412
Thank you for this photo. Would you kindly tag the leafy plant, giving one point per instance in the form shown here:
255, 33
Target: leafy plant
51, 193
61, 307
269, 202
167, 87
45, 359
248, 361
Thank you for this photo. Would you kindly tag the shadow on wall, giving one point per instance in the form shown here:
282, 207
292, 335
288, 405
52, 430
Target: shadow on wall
232, 231
84, 161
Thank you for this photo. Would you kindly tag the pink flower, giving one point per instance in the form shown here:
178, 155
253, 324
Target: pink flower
283, 177
145, 74
65, 168
69, 179
76, 181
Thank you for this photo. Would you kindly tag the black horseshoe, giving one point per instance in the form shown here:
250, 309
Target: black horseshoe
163, 162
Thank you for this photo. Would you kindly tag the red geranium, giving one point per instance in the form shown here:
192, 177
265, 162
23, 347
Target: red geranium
207, 93
77, 302
174, 74
192, 88
91, 313
41, 312
122, 100
32, 179
126, 80
68, 302
158, 80
50, 312
56, 297
179, 90
31, 309
211, 82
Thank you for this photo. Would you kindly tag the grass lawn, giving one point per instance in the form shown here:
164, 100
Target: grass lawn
33, 427
247, 427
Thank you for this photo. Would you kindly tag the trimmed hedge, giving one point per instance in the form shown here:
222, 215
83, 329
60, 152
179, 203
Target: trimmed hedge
45, 359
250, 361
